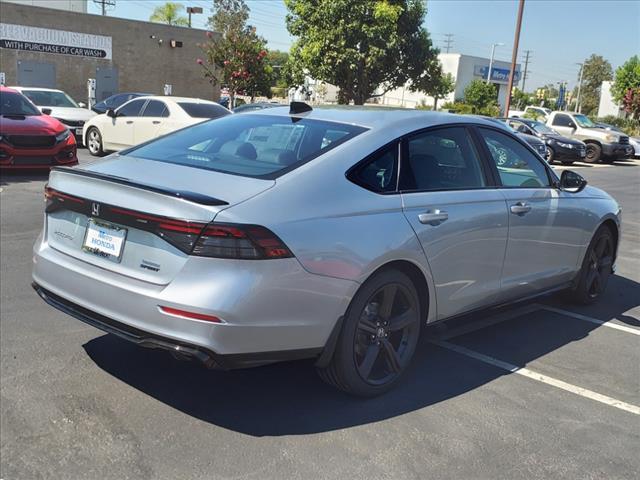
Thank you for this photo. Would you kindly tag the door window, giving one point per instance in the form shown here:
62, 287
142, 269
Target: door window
380, 173
517, 166
442, 159
562, 120
155, 108
131, 109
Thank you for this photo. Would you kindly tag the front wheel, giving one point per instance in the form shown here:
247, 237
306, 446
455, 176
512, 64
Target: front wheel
596, 268
594, 153
378, 337
550, 155
94, 142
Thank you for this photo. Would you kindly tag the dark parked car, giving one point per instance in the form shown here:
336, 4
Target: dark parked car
114, 101
533, 141
563, 149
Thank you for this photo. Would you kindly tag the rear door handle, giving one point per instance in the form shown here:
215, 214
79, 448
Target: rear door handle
156, 122
129, 121
435, 217
520, 208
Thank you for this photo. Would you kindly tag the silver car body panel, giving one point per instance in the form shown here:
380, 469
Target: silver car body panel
339, 233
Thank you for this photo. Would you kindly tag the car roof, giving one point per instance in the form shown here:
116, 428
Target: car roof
376, 117
39, 89
174, 99
8, 89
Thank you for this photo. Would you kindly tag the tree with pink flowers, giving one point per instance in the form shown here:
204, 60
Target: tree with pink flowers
233, 54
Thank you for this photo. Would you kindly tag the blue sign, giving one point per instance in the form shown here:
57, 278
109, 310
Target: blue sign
497, 74
561, 93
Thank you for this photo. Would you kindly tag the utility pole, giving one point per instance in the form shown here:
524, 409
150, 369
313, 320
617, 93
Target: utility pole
526, 65
104, 4
514, 57
578, 106
448, 41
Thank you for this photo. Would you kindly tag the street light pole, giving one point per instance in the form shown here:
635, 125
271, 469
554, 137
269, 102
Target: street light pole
493, 52
578, 106
191, 10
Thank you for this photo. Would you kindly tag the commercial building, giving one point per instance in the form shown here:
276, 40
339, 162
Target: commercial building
79, 6
607, 105
465, 69
45, 47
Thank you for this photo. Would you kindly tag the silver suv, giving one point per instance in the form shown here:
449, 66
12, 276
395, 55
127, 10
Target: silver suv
602, 145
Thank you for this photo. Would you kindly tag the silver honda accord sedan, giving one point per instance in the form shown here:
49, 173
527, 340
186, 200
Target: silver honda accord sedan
334, 234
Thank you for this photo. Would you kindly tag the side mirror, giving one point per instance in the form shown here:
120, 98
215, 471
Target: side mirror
46, 111
82, 104
572, 182
572, 126
111, 113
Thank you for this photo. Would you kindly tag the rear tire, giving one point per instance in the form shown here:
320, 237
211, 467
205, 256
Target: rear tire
550, 155
378, 338
94, 142
596, 268
594, 153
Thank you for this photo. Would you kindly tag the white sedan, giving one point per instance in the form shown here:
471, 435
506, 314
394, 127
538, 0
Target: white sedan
145, 118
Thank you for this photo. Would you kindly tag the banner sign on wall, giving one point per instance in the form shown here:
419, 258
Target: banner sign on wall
47, 40
498, 75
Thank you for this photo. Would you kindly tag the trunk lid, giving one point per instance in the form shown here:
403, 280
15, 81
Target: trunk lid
122, 197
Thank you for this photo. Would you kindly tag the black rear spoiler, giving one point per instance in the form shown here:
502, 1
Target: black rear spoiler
183, 194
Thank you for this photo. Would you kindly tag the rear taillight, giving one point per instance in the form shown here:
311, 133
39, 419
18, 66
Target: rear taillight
52, 196
248, 242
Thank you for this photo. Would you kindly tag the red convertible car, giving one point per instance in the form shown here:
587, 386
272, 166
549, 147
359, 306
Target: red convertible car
30, 138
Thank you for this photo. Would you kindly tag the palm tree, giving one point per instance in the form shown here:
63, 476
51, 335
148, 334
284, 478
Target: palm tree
169, 14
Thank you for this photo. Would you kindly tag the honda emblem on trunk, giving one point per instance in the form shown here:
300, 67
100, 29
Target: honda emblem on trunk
95, 209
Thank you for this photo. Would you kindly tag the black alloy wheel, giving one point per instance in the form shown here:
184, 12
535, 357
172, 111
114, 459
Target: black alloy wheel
596, 267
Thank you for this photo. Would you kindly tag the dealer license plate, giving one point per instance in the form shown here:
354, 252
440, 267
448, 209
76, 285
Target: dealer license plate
79, 131
104, 239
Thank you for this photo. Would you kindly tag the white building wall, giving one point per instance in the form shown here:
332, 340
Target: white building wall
607, 104
464, 69
79, 6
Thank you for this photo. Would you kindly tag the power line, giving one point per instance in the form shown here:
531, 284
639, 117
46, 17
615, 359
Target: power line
448, 41
527, 53
104, 4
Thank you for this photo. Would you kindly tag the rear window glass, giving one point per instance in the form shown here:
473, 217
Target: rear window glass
261, 146
204, 110
12, 103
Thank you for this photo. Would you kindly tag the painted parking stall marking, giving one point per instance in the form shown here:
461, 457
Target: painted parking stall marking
583, 392
604, 323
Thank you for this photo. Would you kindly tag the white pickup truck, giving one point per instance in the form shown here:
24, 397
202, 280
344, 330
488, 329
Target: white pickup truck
602, 145
541, 113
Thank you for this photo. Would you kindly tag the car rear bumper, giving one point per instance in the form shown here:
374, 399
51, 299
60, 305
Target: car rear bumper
270, 310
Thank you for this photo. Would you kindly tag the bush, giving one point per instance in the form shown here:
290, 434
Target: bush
457, 107
423, 105
480, 96
280, 92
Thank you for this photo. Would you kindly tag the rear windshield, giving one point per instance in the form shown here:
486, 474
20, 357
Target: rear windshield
204, 110
260, 146
12, 103
45, 98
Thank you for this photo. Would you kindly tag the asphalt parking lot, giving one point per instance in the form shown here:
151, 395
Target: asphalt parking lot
540, 390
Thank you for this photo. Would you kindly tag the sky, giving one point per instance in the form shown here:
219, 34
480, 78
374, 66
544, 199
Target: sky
559, 33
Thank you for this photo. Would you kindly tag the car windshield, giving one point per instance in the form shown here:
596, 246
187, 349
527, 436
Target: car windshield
584, 121
259, 146
204, 110
541, 127
44, 98
12, 103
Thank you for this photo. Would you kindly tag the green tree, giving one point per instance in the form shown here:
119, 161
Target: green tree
596, 70
481, 96
235, 54
169, 13
361, 45
434, 83
520, 99
626, 86
277, 61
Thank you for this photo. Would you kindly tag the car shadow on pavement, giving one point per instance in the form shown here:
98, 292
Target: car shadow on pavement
8, 178
290, 399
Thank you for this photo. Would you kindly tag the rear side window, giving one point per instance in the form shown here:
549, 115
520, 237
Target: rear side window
517, 166
261, 146
155, 108
378, 174
204, 110
442, 159
131, 109
561, 120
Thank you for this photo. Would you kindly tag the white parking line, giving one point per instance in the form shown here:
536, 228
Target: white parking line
604, 323
583, 392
